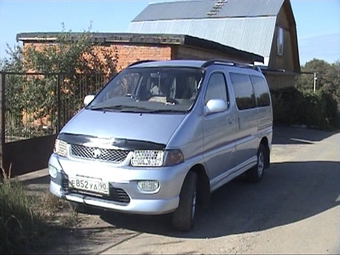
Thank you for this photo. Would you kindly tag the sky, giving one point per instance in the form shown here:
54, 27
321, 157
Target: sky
317, 21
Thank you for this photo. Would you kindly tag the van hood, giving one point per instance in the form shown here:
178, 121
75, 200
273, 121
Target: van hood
151, 127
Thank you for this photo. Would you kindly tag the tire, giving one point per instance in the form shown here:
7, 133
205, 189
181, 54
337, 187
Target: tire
183, 217
256, 173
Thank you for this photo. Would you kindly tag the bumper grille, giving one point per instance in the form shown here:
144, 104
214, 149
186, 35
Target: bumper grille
119, 195
100, 154
64, 184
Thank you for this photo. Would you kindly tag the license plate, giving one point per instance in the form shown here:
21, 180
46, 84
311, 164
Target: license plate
89, 184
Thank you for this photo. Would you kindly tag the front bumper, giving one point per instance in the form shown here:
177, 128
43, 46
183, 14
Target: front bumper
124, 195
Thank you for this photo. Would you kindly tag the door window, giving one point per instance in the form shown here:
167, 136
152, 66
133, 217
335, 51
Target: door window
217, 88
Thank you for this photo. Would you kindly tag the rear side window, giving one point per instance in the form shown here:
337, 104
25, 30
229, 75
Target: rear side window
261, 91
244, 92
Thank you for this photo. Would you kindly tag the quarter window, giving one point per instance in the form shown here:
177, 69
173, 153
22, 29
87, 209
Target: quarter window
244, 92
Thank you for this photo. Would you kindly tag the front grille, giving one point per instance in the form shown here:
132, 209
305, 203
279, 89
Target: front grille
94, 153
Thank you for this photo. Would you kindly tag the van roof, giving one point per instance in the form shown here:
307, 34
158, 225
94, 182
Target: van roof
170, 63
192, 63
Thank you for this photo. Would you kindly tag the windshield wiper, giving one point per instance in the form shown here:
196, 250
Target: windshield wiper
166, 110
122, 108
105, 108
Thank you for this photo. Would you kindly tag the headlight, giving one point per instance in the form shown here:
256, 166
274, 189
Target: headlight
147, 158
156, 158
60, 148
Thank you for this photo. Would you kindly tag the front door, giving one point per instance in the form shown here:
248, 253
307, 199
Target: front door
218, 131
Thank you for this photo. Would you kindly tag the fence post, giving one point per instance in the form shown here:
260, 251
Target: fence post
58, 104
2, 119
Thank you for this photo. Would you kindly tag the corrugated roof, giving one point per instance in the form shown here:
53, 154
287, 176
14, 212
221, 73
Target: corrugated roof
248, 34
247, 25
207, 8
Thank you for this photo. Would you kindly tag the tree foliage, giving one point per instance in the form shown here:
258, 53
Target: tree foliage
301, 105
60, 73
327, 75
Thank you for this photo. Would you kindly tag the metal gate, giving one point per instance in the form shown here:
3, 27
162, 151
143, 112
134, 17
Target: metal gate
33, 109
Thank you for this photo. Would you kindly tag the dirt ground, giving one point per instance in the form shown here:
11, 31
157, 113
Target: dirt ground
295, 209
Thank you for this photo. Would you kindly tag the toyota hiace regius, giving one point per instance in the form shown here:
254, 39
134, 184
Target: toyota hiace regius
161, 136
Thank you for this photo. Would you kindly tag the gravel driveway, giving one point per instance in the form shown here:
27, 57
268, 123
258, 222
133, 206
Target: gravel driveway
295, 209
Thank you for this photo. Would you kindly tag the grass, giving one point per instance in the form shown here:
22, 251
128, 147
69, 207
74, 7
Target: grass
28, 219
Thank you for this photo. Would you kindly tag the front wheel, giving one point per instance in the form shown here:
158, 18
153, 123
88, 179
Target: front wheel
255, 174
183, 217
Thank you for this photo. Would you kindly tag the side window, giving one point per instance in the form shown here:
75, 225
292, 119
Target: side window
279, 40
244, 92
261, 91
217, 88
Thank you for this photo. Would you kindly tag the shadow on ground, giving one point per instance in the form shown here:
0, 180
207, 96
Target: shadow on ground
290, 192
293, 135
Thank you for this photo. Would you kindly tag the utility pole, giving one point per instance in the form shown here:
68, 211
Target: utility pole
315, 80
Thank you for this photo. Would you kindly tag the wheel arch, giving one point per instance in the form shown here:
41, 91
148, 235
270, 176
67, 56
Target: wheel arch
264, 142
203, 185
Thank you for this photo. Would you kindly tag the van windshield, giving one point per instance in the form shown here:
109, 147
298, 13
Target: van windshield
170, 89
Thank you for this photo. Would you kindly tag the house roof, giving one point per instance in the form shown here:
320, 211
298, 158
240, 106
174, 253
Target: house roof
247, 25
151, 39
209, 9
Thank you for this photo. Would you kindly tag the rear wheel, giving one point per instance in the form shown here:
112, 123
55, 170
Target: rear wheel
255, 174
183, 217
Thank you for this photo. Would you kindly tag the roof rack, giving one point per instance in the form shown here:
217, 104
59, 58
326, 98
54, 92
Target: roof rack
140, 62
230, 63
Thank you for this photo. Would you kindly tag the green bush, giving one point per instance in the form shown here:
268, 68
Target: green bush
331, 106
301, 107
29, 220
20, 226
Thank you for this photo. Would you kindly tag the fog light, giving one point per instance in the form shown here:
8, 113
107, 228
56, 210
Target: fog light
148, 186
52, 171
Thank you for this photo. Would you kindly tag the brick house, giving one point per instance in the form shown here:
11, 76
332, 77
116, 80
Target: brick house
251, 31
131, 47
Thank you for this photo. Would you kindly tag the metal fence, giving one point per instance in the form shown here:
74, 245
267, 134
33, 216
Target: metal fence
38, 104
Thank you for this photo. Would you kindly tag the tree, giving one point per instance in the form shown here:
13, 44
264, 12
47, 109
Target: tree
60, 72
316, 108
326, 75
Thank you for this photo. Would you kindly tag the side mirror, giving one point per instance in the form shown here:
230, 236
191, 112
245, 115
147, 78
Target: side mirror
215, 105
88, 99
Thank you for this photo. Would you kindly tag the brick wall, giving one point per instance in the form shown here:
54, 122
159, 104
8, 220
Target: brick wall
128, 54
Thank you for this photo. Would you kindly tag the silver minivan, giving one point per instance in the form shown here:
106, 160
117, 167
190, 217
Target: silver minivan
161, 136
